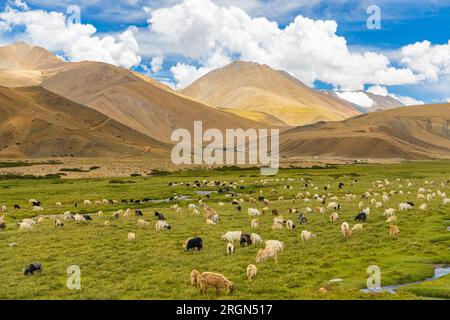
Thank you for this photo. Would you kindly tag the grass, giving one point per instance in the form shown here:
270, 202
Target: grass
156, 267
15, 164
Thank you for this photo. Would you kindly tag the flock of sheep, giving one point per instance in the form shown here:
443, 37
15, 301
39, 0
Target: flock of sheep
377, 196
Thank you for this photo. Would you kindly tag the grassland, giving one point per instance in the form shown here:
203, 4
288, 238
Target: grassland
156, 267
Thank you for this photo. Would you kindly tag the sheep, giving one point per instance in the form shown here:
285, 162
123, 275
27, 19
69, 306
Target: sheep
142, 223
378, 205
16, 207
290, 225
159, 216
116, 214
362, 217
79, 218
389, 212
231, 236
391, 219
307, 235
346, 231
253, 212
366, 211
230, 248
58, 204
192, 243
37, 208
334, 217
361, 205
264, 254
277, 226
59, 223
279, 220
131, 236
211, 279
162, 225
255, 238
210, 222
127, 213
32, 268
106, 223
251, 271
196, 212
394, 230
24, 225
245, 240
264, 210
215, 218
195, 278
40, 220
255, 223
87, 202
423, 207
357, 227
4, 209
308, 210
276, 244
446, 201
404, 206
178, 210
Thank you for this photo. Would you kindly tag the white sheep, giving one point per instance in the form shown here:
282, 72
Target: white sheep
251, 271
346, 231
253, 212
290, 225
230, 248
25, 226
423, 207
357, 227
131, 236
276, 244
256, 238
307, 235
232, 236
334, 217
255, 223
161, 225
404, 206
446, 201
87, 202
142, 223
389, 212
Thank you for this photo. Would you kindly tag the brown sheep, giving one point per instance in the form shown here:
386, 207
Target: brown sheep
394, 230
251, 271
195, 278
216, 280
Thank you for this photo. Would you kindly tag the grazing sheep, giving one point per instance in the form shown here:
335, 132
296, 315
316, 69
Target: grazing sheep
116, 215
366, 211
210, 222
391, 219
361, 217
25, 225
255, 223
255, 238
357, 227
59, 223
162, 225
230, 248
58, 204
16, 207
138, 213
215, 280
131, 236
245, 240
307, 235
40, 220
127, 213
334, 217
279, 220
192, 243
290, 225
346, 231
394, 230
231, 236
215, 218
276, 244
389, 212
266, 253
274, 212
87, 202
251, 271
142, 223
32, 268
404, 206
302, 219
378, 205
423, 207
446, 201
100, 213
195, 278
37, 208
106, 223
277, 226
79, 218
253, 212
159, 216
3, 209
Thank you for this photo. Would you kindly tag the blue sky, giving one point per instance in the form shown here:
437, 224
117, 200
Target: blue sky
403, 23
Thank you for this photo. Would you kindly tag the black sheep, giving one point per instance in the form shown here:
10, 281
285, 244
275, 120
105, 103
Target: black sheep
87, 217
16, 206
361, 217
302, 218
34, 267
3, 225
193, 243
410, 203
239, 208
245, 240
138, 213
160, 216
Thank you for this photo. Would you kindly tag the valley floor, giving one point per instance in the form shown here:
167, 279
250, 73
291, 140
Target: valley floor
155, 266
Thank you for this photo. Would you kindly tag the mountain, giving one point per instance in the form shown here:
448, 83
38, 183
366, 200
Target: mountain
419, 132
22, 65
37, 123
258, 88
140, 104
368, 101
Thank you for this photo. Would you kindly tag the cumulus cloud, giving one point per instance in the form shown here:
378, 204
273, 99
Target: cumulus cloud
308, 49
75, 40
157, 62
383, 91
357, 97
431, 61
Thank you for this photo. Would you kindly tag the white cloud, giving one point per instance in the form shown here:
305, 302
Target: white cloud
431, 61
357, 97
308, 49
157, 62
378, 90
185, 74
77, 41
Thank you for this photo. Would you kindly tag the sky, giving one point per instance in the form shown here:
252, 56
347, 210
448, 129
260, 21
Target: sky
389, 47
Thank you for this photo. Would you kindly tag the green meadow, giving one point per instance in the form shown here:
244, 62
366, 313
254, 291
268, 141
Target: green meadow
155, 266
